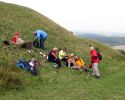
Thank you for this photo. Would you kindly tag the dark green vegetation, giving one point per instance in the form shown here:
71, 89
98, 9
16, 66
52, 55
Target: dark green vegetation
51, 83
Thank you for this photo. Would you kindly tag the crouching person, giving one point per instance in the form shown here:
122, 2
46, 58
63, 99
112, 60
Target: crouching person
52, 57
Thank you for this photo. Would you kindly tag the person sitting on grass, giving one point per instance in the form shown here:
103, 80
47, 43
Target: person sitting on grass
18, 41
71, 61
52, 57
80, 63
63, 56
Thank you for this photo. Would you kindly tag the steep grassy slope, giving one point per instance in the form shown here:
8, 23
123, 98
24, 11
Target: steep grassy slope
53, 83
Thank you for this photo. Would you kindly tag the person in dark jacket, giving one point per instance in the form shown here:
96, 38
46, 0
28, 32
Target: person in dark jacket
52, 57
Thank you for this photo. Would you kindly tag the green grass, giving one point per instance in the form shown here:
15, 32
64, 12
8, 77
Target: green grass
51, 83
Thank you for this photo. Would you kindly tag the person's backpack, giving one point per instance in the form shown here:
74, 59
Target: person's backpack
36, 43
99, 56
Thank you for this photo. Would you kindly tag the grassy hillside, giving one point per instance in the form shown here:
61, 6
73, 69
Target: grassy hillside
51, 83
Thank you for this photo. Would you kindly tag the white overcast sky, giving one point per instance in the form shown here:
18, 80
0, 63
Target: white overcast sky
81, 15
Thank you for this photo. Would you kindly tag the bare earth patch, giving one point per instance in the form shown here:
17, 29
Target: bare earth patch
120, 47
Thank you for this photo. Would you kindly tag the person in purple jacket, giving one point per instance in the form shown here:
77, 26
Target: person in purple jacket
41, 36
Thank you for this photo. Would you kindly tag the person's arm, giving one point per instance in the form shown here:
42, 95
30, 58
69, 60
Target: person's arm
54, 55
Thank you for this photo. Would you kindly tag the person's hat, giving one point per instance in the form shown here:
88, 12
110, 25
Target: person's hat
71, 54
17, 33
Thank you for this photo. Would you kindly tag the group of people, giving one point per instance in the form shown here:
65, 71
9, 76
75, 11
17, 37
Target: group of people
32, 65
40, 35
59, 56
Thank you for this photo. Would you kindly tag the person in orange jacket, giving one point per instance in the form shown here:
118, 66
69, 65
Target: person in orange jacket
79, 62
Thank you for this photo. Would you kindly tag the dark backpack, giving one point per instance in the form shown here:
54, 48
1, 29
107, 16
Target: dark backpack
36, 43
99, 56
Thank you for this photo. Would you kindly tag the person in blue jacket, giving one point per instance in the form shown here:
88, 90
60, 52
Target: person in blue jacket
41, 36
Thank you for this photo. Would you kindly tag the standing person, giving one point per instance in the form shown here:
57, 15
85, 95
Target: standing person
40, 36
94, 62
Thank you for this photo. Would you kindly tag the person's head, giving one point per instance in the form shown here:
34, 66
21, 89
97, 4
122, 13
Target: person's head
34, 33
55, 49
17, 34
76, 57
91, 48
71, 55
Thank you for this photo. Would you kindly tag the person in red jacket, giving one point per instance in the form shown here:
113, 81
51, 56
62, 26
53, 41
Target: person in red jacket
17, 40
94, 62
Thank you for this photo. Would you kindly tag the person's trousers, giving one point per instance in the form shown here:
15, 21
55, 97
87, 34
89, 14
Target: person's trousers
42, 40
57, 61
95, 69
